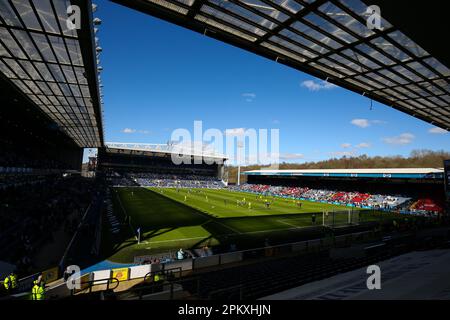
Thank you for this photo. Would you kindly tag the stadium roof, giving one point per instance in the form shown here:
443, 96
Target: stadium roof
53, 66
194, 150
415, 173
330, 40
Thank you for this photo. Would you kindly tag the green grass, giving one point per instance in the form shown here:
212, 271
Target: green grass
223, 203
211, 217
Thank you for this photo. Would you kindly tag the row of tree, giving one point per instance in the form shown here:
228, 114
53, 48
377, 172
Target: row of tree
417, 159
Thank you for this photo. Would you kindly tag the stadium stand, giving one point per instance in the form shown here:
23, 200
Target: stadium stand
417, 275
409, 191
173, 181
426, 205
33, 213
259, 277
358, 199
155, 162
47, 118
118, 180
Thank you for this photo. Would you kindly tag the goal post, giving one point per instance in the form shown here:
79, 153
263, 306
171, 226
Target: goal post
335, 218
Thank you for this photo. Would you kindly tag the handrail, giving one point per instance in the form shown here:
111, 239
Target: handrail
114, 280
91, 284
153, 284
163, 271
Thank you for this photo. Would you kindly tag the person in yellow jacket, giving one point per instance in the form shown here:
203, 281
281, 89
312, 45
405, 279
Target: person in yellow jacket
38, 291
10, 282
158, 280
7, 283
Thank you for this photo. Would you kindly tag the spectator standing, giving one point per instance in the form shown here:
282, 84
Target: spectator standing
180, 254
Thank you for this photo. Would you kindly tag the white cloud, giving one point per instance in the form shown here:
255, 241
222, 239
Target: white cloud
338, 154
291, 156
129, 130
403, 139
363, 145
312, 85
437, 130
235, 132
362, 123
378, 121
346, 145
249, 96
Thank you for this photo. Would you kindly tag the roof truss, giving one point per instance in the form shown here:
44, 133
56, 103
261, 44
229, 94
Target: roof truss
52, 65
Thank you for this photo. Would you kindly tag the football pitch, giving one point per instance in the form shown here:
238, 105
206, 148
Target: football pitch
170, 219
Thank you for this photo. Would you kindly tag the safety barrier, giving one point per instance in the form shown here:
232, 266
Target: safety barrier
111, 279
25, 284
169, 283
105, 280
307, 246
101, 284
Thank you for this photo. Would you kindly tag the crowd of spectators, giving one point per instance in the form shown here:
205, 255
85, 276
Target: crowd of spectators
176, 181
10, 160
117, 180
425, 206
353, 198
31, 213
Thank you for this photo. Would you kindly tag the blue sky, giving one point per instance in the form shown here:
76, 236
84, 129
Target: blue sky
158, 77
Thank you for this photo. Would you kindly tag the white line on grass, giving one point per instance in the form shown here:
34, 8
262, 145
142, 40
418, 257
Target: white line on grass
289, 224
203, 215
228, 227
229, 234
174, 240
125, 213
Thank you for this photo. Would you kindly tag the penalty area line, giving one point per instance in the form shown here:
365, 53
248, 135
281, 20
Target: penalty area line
175, 240
227, 234
289, 224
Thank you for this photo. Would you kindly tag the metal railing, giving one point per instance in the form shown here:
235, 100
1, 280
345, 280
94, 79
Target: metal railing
87, 286
113, 283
